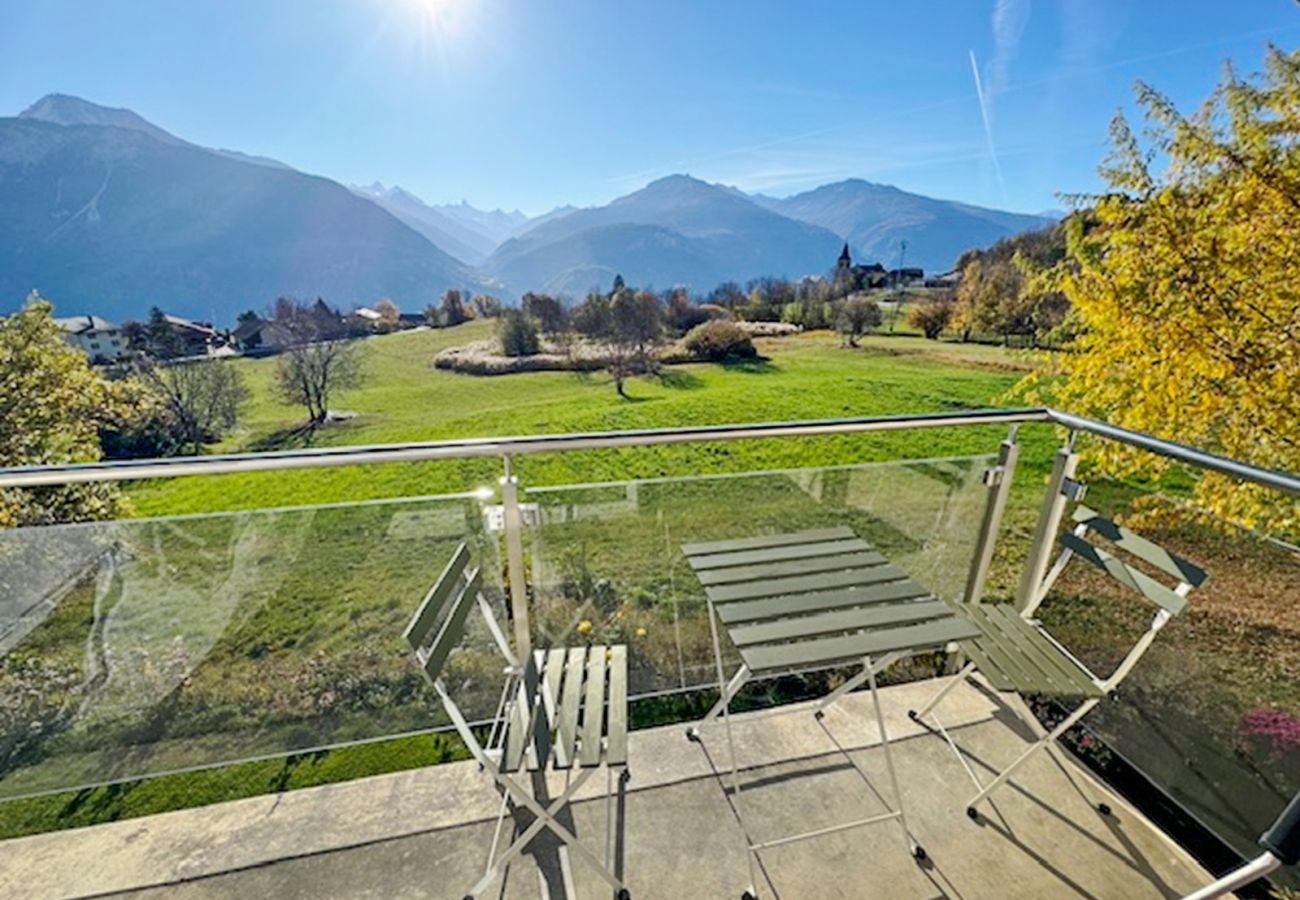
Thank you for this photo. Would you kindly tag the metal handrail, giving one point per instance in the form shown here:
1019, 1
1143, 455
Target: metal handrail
465, 448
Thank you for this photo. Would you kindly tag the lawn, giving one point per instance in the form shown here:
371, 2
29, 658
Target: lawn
405, 399
210, 638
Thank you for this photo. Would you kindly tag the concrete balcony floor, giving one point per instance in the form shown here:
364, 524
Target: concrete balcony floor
675, 833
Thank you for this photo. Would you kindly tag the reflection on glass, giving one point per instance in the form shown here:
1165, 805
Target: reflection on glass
142, 646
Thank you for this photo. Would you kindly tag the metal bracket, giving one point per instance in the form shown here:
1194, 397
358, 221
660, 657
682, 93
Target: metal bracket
494, 517
1073, 490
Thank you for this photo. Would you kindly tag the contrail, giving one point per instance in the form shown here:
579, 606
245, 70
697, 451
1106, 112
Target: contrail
988, 126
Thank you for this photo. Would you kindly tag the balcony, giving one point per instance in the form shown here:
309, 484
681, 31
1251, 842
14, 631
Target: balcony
171, 648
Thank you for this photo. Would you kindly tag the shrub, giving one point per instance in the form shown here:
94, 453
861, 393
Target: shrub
932, 317
855, 317
517, 333
719, 341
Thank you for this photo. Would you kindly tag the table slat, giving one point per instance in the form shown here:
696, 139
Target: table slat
877, 616
805, 583
774, 607
773, 554
806, 566
770, 657
767, 540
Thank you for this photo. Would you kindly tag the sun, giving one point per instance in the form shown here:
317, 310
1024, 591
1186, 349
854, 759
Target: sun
441, 19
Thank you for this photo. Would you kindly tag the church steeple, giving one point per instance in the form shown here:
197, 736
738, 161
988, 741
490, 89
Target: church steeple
845, 261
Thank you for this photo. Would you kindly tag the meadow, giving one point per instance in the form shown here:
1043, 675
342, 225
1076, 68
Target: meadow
292, 617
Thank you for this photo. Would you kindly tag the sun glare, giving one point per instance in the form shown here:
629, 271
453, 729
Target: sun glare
441, 19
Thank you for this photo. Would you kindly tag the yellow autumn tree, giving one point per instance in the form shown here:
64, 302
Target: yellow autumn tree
51, 405
1186, 289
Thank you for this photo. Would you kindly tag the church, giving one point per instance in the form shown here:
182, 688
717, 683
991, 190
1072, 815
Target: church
858, 278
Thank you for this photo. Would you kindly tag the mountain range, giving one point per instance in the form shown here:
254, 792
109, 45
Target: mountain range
102, 211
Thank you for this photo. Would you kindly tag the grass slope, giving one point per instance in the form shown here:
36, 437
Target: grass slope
405, 399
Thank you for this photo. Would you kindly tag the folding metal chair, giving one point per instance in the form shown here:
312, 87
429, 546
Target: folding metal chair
1016, 654
563, 709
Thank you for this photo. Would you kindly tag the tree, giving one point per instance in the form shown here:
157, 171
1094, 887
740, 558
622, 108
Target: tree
728, 295
932, 317
517, 332
306, 322
154, 337
451, 309
201, 398
1186, 289
389, 314
486, 306
51, 406
856, 316
549, 312
591, 317
634, 327
314, 365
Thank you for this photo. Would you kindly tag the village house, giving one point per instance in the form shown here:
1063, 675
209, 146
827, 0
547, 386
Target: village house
101, 340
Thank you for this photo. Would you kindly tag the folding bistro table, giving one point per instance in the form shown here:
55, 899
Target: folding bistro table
814, 600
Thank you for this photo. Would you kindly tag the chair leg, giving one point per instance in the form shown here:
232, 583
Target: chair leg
545, 818
1033, 748
915, 849
918, 715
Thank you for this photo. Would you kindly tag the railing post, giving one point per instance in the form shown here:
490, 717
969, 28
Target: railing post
998, 480
512, 521
1049, 519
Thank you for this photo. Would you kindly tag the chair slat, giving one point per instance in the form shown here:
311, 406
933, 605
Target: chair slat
428, 613
780, 657
1125, 574
1172, 563
776, 607
806, 566
616, 745
767, 540
772, 554
593, 709
453, 627
552, 664
570, 703
517, 731
839, 621
800, 584
1046, 669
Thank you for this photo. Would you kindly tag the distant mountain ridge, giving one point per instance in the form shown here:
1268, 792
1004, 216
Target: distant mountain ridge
105, 212
876, 218
114, 218
677, 230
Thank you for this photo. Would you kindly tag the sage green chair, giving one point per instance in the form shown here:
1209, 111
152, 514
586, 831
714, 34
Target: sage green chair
1016, 654
563, 709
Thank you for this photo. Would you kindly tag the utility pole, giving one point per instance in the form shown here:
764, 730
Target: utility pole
898, 285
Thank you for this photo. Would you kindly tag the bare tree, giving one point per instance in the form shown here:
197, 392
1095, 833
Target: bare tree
634, 328
315, 365
201, 398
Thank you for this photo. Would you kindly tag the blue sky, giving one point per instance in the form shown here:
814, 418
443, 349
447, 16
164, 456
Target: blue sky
517, 103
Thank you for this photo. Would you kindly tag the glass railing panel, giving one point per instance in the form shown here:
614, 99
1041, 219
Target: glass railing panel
605, 562
136, 647
1211, 714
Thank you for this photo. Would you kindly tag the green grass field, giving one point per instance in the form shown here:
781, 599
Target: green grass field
291, 619
405, 399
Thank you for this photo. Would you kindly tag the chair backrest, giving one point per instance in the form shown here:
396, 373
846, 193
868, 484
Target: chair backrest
1173, 601
439, 623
